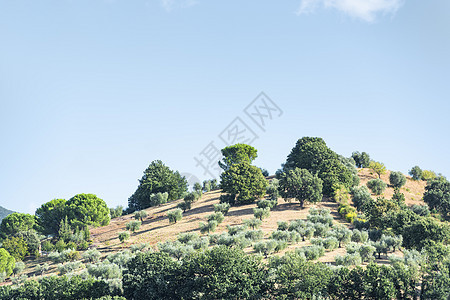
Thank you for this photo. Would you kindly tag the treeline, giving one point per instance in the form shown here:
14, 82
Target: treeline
228, 273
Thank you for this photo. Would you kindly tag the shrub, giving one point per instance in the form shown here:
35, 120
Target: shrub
18, 268
123, 236
377, 186
421, 210
319, 218
175, 215
264, 203
105, 270
176, 249
416, 173
208, 227
330, 243
397, 179
342, 234
233, 230
218, 217
47, 246
222, 208
348, 259
265, 247
184, 206
311, 252
361, 196
120, 258
91, 255
69, 267
283, 225
366, 252
16, 247
133, 225
140, 215
428, 175
187, 237
253, 223
116, 212
288, 236
320, 229
139, 247
261, 213
200, 243
238, 240
41, 269
254, 235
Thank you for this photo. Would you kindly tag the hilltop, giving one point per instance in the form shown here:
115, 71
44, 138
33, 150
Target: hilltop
4, 212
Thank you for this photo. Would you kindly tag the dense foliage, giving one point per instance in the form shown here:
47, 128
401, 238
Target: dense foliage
238, 153
157, 178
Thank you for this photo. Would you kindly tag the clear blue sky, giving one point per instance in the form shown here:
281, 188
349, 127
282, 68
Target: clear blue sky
92, 91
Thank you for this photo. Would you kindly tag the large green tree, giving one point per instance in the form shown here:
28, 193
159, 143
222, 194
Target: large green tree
437, 196
301, 185
244, 183
87, 209
15, 223
237, 153
157, 178
50, 215
313, 154
362, 160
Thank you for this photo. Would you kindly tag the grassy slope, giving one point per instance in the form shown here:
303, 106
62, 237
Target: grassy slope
156, 227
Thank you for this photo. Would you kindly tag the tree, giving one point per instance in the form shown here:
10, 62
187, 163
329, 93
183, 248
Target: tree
362, 160
87, 209
151, 276
261, 213
16, 222
397, 179
236, 154
437, 196
312, 154
116, 212
50, 215
420, 232
175, 215
133, 225
198, 187
301, 185
244, 183
16, 247
140, 215
224, 273
31, 240
428, 175
7, 262
377, 186
123, 236
378, 168
157, 178
416, 173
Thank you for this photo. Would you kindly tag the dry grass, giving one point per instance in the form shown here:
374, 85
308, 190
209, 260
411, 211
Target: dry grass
413, 189
156, 228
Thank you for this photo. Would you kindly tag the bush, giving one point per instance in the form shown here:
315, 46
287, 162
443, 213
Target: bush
233, 230
254, 235
222, 208
320, 229
360, 236
184, 206
288, 236
47, 246
311, 252
238, 240
140, 215
342, 234
116, 212
123, 236
319, 218
69, 267
105, 270
428, 175
283, 225
330, 243
261, 213
366, 252
139, 247
218, 217
416, 173
200, 243
176, 249
397, 179
18, 268
253, 223
41, 269
265, 247
377, 186
175, 215
120, 258
348, 259
421, 210
208, 227
16, 247
187, 237
92, 255
264, 203
133, 225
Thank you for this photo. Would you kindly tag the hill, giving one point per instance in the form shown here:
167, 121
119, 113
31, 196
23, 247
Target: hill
4, 212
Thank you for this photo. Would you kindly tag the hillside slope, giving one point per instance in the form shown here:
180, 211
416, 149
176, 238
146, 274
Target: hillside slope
4, 212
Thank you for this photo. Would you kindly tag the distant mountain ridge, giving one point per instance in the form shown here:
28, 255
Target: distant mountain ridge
4, 212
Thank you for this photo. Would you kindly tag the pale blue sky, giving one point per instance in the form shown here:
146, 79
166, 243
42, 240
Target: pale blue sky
92, 91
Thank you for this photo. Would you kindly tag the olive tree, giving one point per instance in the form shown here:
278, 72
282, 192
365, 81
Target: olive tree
300, 185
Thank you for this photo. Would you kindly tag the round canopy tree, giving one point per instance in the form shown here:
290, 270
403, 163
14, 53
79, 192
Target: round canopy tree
50, 215
15, 223
244, 182
87, 209
301, 185
238, 153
